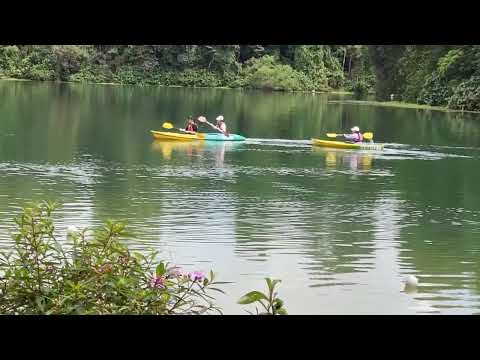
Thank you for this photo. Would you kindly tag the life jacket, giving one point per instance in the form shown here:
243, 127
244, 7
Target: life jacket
359, 138
191, 127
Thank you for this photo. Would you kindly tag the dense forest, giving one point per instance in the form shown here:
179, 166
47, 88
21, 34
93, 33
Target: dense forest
441, 75
275, 67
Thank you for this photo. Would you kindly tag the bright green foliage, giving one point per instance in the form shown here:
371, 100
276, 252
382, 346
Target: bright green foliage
265, 73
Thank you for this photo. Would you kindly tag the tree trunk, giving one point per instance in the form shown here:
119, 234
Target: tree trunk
58, 68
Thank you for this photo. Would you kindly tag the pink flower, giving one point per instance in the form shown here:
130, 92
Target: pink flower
175, 272
158, 282
196, 276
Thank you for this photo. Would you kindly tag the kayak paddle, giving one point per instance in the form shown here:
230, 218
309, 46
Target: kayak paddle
203, 119
367, 135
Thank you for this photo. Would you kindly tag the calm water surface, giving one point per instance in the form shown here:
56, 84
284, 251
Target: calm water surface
341, 228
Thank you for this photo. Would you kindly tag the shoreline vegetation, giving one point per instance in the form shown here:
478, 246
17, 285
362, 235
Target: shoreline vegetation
330, 91
314, 68
400, 104
396, 104
436, 76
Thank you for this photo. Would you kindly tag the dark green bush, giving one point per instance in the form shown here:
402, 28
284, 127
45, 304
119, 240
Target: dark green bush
198, 77
359, 87
435, 92
91, 74
466, 95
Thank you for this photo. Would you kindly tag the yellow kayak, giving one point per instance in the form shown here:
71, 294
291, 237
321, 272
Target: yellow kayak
166, 135
345, 145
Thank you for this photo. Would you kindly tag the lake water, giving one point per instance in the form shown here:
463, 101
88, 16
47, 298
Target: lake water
341, 228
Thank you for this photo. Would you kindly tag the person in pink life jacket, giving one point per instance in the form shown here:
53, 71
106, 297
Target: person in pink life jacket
355, 136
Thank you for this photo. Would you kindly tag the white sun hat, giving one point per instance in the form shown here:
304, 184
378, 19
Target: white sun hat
355, 129
220, 118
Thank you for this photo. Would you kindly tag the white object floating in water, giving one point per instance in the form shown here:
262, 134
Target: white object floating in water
411, 281
72, 229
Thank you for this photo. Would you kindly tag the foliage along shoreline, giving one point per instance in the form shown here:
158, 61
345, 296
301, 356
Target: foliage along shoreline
433, 75
402, 105
271, 67
333, 91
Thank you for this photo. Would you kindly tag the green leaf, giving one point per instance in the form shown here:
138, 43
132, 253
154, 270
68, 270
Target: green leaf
251, 297
216, 289
269, 283
40, 303
275, 282
282, 311
160, 270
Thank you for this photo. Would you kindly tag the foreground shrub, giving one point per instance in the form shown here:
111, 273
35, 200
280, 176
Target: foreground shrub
93, 274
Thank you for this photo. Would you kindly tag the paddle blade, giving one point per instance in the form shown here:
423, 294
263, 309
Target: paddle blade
331, 135
202, 119
167, 125
368, 136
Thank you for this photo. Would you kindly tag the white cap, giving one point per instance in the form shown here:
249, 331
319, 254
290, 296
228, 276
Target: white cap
355, 129
220, 118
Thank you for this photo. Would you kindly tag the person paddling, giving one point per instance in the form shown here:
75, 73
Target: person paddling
191, 125
355, 137
220, 126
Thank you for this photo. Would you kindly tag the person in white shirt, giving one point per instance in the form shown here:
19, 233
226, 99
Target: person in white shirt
221, 126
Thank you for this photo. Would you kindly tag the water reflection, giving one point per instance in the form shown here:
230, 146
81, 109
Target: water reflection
169, 149
337, 158
342, 242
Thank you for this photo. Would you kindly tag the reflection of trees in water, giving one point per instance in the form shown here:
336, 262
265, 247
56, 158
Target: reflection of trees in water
344, 235
296, 216
73, 187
